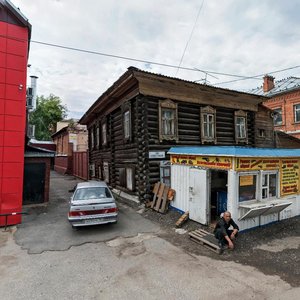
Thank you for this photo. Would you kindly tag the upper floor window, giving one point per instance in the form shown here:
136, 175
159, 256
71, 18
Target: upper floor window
168, 120
104, 133
297, 113
97, 136
92, 141
277, 116
208, 124
240, 119
126, 119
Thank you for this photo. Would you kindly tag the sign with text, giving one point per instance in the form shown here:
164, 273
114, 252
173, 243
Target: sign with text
252, 164
289, 176
215, 162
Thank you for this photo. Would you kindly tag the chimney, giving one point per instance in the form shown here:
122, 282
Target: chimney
268, 83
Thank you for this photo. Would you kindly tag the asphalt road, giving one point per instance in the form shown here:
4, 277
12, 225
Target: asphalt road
44, 258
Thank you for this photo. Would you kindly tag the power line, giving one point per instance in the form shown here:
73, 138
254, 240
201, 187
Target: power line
191, 34
259, 75
241, 77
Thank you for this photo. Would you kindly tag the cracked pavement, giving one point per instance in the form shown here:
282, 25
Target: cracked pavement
44, 258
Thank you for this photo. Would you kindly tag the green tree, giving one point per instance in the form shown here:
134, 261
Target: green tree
49, 111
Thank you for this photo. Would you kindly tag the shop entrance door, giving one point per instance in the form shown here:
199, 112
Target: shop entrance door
198, 195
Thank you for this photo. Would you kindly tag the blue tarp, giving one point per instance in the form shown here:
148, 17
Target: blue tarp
235, 151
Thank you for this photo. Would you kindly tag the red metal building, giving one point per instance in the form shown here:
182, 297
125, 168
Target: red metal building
15, 33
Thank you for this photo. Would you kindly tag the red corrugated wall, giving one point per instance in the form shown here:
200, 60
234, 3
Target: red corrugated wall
13, 70
80, 165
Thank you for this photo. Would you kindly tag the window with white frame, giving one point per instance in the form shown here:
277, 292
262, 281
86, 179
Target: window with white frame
100, 172
297, 113
268, 185
260, 185
240, 120
104, 133
126, 124
208, 124
165, 172
168, 120
277, 116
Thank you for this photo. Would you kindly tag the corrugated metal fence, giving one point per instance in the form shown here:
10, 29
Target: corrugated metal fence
80, 164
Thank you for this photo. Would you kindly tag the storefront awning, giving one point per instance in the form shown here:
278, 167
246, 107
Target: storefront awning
234, 151
257, 210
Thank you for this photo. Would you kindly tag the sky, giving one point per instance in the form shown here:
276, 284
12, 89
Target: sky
237, 37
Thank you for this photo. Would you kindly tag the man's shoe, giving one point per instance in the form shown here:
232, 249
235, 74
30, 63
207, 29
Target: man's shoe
221, 248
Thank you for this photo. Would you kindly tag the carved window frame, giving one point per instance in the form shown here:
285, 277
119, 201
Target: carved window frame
240, 114
104, 135
168, 105
126, 109
206, 112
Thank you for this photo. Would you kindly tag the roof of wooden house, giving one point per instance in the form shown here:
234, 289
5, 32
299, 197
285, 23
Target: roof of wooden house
135, 81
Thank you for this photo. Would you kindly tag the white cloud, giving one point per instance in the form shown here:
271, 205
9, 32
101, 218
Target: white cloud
234, 36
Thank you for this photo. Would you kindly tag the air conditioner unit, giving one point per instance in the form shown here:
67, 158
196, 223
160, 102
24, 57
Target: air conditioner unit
31, 131
29, 98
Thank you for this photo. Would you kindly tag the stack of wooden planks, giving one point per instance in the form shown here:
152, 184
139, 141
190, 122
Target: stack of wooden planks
162, 195
206, 239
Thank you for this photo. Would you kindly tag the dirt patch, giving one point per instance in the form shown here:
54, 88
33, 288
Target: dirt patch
273, 249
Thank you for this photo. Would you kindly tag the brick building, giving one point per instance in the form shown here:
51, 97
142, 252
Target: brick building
284, 100
71, 137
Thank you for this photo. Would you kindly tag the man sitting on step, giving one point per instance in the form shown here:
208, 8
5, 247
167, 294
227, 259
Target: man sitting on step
223, 233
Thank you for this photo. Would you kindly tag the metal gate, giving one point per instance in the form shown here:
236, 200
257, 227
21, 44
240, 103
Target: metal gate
34, 183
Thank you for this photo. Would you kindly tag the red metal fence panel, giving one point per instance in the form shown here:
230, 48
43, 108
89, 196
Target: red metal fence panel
80, 164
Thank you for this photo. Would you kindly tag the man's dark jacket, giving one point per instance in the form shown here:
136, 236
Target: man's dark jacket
223, 226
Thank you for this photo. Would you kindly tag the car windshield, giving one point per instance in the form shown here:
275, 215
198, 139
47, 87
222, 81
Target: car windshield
92, 193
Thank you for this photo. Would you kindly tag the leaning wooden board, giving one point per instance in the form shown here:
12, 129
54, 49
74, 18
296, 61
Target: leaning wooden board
206, 239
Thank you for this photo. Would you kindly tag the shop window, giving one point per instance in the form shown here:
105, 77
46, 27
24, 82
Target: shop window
297, 113
240, 120
259, 186
277, 116
104, 133
208, 124
168, 120
247, 187
106, 172
268, 185
165, 172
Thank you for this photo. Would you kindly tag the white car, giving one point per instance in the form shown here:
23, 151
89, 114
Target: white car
91, 204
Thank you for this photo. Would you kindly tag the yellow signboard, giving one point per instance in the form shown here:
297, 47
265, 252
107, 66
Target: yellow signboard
215, 162
246, 180
252, 164
289, 176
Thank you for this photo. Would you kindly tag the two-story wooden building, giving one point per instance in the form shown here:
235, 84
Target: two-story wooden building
142, 115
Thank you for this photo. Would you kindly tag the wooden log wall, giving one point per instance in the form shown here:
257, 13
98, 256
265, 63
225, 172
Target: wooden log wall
145, 137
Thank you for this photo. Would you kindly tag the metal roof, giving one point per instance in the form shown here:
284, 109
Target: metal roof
235, 151
281, 86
